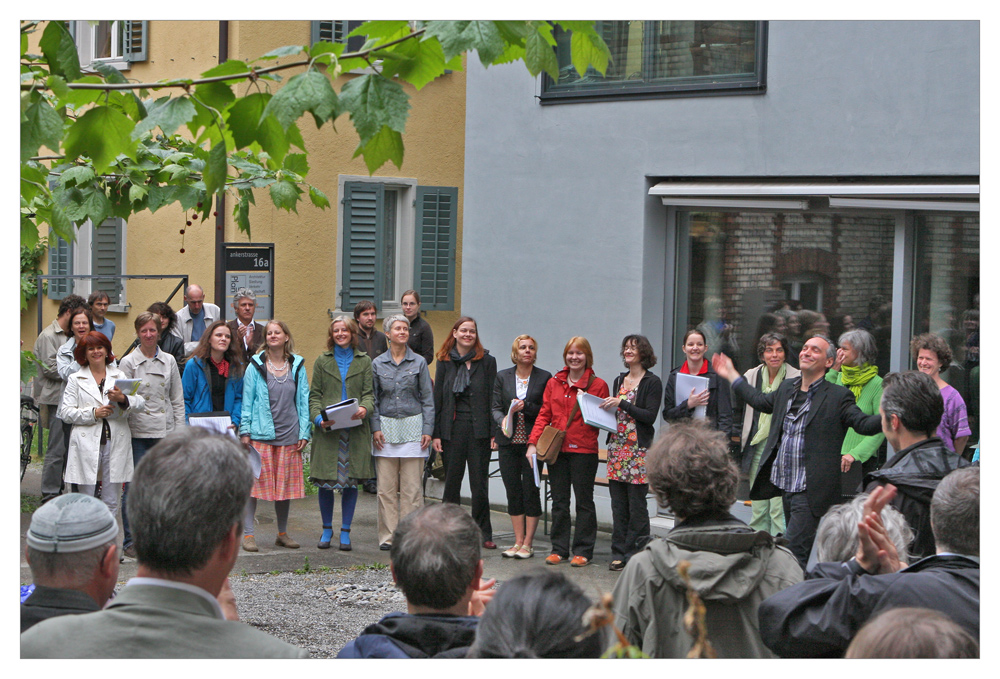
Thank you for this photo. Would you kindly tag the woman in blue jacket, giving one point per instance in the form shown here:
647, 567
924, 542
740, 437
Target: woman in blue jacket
275, 422
214, 380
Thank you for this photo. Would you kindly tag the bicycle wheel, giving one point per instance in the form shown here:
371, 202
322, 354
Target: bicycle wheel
27, 433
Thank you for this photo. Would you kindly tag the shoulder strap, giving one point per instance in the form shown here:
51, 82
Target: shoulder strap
576, 403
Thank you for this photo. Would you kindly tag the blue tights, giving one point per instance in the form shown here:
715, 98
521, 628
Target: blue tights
348, 502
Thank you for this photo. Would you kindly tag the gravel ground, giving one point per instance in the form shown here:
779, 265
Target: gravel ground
319, 611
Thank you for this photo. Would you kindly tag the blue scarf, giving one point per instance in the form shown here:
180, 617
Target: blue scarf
344, 358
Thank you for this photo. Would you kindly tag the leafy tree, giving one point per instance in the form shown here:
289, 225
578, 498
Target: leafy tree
97, 145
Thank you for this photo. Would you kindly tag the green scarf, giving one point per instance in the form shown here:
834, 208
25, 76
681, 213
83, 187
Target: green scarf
764, 419
855, 379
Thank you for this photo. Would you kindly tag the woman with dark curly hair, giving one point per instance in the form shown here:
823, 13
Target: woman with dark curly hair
732, 567
932, 355
635, 403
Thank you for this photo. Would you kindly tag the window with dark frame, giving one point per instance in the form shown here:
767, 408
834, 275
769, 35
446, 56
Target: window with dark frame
665, 58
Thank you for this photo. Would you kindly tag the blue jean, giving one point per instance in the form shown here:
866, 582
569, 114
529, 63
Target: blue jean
139, 448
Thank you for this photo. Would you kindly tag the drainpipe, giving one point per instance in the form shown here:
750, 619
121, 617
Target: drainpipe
220, 206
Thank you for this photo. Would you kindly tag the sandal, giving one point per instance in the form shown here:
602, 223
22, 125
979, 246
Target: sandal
525, 552
511, 552
616, 565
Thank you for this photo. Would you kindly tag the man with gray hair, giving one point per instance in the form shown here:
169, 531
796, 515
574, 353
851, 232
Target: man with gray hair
186, 507
247, 333
820, 616
435, 560
194, 317
73, 558
911, 410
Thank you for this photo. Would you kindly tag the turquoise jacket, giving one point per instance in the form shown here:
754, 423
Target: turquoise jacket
256, 421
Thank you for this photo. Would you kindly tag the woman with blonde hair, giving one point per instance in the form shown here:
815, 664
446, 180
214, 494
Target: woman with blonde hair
576, 466
275, 422
519, 390
341, 458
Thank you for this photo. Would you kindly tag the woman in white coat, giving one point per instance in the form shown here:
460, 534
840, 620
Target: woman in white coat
100, 439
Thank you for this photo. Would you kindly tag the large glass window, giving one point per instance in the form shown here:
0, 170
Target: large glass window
659, 58
797, 273
946, 299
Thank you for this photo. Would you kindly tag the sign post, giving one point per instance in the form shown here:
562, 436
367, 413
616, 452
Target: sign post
250, 265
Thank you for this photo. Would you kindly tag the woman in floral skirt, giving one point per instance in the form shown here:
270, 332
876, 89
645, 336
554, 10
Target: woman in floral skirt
635, 400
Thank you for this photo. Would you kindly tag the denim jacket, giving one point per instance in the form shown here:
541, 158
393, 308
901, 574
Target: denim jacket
402, 390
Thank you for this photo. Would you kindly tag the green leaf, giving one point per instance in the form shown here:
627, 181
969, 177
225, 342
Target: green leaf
324, 47
96, 205
540, 56
374, 102
216, 95
60, 223
166, 113
216, 169
383, 31
80, 98
514, 31
137, 192
309, 91
587, 49
273, 140
60, 51
29, 231
418, 62
42, 127
297, 163
101, 134
283, 52
57, 85
384, 146
461, 36
318, 198
241, 211
243, 118
285, 194
295, 137
110, 73
230, 67
81, 174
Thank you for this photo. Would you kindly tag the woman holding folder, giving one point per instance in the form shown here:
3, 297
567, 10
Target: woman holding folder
213, 381
517, 400
576, 467
716, 398
342, 456
636, 402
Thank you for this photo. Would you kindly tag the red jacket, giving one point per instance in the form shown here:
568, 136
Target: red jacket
558, 400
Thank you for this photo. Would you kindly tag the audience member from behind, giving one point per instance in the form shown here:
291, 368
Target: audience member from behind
435, 560
538, 615
819, 617
911, 411
837, 536
733, 567
185, 505
906, 633
73, 558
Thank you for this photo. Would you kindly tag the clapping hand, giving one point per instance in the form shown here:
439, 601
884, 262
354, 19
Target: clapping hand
723, 365
482, 596
876, 552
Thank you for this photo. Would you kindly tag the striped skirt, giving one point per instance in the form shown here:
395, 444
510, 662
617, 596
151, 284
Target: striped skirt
280, 473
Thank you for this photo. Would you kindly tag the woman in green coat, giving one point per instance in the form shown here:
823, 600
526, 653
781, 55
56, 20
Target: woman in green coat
342, 456
856, 356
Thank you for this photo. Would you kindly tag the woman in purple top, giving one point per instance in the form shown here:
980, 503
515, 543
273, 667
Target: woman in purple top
932, 355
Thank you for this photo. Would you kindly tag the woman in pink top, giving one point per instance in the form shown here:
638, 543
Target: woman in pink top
932, 355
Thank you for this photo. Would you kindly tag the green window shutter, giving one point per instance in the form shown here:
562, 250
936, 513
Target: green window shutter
434, 270
327, 31
106, 257
135, 35
364, 204
60, 264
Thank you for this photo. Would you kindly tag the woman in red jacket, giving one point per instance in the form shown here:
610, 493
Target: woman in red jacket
576, 466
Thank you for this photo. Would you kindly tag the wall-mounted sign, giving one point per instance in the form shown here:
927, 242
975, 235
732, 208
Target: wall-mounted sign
250, 266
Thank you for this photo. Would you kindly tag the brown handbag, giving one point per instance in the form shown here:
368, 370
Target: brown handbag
550, 442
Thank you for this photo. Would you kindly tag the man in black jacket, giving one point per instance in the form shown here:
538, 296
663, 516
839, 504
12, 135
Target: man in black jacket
820, 616
801, 460
911, 411
435, 560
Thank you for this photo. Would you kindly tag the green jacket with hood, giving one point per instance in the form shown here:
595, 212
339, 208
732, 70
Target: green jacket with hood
733, 568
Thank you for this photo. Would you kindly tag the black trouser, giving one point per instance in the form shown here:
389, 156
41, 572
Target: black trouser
54, 465
461, 449
800, 526
630, 518
576, 471
519, 481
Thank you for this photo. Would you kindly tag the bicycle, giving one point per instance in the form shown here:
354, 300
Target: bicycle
29, 418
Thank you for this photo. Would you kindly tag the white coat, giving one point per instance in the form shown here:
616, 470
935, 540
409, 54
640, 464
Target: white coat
79, 401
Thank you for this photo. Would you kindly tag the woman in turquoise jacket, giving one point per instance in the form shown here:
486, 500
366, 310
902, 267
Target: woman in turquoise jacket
275, 422
214, 380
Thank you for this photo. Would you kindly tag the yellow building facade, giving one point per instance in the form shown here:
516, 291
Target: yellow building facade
309, 270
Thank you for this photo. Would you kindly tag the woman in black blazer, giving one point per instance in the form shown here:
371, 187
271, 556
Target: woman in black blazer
717, 398
463, 426
635, 400
523, 385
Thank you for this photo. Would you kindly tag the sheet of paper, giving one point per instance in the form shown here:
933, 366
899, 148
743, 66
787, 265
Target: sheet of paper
128, 387
534, 467
685, 383
593, 414
216, 422
340, 414
508, 423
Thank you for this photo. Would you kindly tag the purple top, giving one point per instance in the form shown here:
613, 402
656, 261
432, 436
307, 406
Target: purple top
955, 421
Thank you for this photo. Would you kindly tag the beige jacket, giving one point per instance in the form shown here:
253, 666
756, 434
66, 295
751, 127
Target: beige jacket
79, 401
161, 388
751, 377
48, 385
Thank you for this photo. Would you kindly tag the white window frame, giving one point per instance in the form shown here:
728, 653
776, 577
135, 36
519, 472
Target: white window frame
808, 279
85, 47
405, 237
83, 265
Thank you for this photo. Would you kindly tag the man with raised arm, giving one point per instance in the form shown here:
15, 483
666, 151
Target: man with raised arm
801, 462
